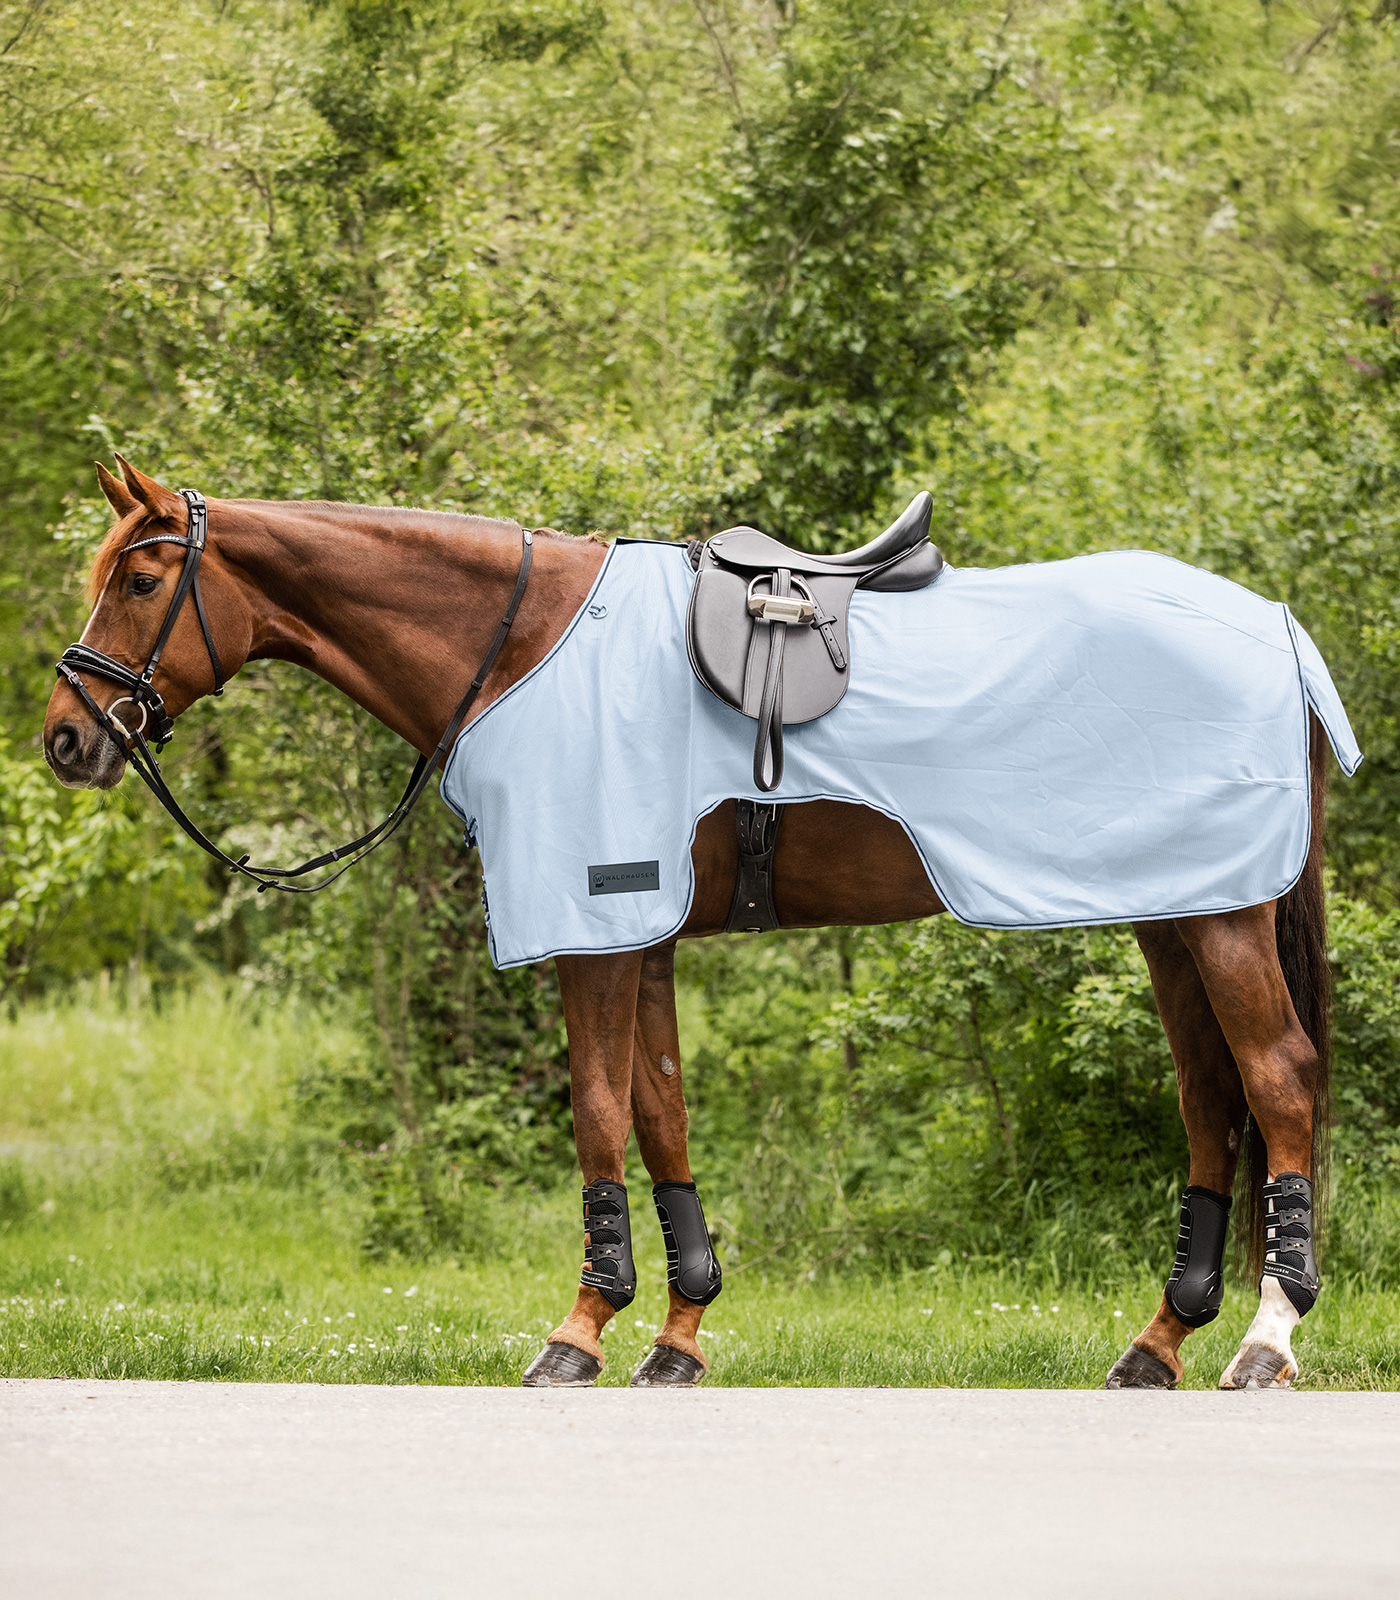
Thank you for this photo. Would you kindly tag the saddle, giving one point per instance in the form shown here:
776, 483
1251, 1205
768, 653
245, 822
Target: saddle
766, 627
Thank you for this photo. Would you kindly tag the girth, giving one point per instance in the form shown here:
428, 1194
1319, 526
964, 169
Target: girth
752, 909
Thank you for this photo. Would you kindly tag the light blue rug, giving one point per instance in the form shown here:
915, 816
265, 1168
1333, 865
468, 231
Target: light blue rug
1115, 737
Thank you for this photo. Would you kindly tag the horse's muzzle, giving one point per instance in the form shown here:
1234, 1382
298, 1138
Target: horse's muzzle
82, 755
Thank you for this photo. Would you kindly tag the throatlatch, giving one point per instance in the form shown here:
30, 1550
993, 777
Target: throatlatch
691, 1267
607, 1254
1288, 1239
1196, 1287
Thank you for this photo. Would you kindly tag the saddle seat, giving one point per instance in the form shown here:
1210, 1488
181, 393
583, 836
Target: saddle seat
747, 547
767, 625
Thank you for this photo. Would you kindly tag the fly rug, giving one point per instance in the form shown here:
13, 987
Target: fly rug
1113, 738
667, 741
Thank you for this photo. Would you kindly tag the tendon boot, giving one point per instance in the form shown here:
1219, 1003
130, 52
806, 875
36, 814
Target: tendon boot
1196, 1287
1288, 1239
691, 1267
607, 1251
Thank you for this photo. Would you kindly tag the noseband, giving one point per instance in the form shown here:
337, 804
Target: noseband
157, 725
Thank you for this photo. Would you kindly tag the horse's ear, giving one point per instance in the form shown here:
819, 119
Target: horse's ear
118, 497
157, 499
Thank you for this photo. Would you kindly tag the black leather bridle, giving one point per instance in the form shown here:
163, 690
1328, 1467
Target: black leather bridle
158, 725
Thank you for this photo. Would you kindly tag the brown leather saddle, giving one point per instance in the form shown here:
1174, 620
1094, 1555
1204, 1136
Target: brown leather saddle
766, 628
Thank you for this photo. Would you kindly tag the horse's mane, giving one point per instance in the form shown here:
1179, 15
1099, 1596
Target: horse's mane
121, 534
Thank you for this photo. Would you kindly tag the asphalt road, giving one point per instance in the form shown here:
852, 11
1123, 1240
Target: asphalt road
182, 1491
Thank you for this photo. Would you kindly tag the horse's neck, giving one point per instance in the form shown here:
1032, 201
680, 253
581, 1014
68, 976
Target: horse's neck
396, 609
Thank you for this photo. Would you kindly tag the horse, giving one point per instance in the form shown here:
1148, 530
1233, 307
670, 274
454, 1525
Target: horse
385, 603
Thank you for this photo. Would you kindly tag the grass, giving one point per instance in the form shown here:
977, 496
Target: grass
153, 1225
247, 1283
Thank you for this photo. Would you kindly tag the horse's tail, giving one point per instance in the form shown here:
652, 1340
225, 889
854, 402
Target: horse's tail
1300, 926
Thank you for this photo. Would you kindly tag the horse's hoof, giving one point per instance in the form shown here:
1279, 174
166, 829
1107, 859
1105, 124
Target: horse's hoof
1140, 1369
562, 1366
1260, 1366
667, 1368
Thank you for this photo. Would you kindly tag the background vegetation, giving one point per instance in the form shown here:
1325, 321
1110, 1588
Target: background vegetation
1099, 272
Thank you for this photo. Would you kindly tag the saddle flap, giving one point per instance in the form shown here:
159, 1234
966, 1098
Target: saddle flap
728, 647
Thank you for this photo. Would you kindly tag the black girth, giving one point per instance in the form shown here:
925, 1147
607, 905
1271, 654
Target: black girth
157, 721
752, 910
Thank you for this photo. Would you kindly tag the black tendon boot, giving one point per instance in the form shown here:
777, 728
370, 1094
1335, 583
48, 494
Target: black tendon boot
1196, 1287
1288, 1239
691, 1267
607, 1256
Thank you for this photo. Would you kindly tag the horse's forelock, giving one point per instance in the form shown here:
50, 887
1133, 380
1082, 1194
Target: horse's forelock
104, 562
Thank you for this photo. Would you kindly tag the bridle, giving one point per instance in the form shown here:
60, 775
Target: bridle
157, 725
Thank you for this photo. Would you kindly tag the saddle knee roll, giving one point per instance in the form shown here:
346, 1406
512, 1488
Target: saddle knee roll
1196, 1287
1288, 1239
691, 1267
607, 1252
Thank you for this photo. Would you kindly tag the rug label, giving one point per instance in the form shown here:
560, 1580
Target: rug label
624, 877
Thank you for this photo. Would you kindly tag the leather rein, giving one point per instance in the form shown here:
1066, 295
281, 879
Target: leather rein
157, 721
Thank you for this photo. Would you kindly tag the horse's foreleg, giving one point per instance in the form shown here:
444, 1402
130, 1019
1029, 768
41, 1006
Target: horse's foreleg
659, 1114
1237, 954
600, 1010
1213, 1108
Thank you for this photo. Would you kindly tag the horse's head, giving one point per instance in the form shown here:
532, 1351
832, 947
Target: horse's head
133, 591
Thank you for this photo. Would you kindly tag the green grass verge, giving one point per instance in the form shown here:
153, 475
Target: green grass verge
260, 1285
164, 1214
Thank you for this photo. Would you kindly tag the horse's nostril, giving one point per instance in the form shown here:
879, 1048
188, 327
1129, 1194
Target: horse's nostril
66, 744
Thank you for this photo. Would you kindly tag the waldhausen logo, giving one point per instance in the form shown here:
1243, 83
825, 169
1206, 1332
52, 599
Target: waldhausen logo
624, 877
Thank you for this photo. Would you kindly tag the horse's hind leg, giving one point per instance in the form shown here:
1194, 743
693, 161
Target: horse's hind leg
662, 1124
1238, 956
1212, 1102
600, 1009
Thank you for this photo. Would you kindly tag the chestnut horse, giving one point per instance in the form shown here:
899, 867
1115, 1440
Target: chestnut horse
389, 604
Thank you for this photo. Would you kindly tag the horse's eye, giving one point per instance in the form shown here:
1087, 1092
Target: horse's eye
142, 585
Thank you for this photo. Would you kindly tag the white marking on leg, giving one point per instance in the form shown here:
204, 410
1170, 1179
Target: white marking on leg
1272, 1327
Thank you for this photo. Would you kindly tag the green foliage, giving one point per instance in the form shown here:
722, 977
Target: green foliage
875, 214
49, 854
989, 1097
1366, 964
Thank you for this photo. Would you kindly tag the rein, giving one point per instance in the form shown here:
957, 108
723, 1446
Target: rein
142, 693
